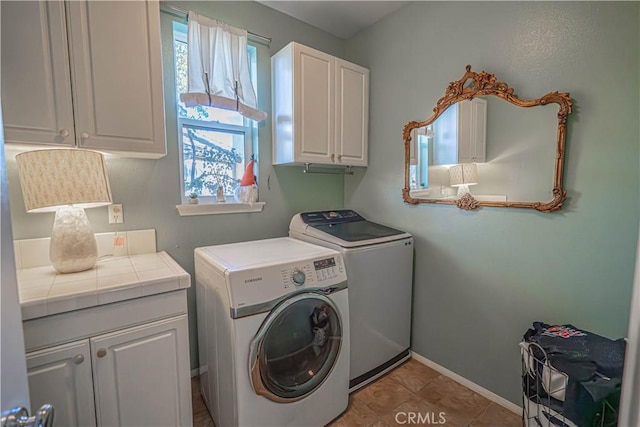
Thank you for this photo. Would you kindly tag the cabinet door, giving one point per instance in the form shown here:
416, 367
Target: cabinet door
313, 89
352, 113
472, 131
141, 375
36, 85
61, 376
117, 75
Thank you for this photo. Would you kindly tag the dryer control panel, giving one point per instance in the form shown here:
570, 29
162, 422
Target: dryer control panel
315, 273
327, 268
254, 286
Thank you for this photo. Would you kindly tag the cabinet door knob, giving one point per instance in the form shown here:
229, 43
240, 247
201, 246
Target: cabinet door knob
43, 417
333, 157
340, 157
19, 417
102, 352
63, 133
78, 359
84, 135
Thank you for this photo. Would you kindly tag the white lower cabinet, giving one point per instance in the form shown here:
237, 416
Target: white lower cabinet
138, 380
61, 376
137, 376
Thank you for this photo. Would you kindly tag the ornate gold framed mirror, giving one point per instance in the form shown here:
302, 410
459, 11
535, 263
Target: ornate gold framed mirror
475, 138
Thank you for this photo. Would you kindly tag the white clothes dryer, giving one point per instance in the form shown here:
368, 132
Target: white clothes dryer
273, 333
379, 263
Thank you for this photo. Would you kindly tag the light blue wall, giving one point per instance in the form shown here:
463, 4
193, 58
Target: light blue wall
150, 189
482, 277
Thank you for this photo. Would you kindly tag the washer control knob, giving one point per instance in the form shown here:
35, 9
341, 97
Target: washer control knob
298, 277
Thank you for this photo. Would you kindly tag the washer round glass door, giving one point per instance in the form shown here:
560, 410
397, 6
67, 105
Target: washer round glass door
296, 347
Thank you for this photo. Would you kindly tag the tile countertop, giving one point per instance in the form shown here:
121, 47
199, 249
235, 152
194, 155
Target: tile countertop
44, 292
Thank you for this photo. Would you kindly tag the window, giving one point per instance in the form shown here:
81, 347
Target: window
419, 172
215, 144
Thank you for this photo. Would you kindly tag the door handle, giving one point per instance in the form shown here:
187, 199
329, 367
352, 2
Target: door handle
19, 417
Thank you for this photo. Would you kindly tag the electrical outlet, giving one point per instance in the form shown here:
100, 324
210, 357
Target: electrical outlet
115, 214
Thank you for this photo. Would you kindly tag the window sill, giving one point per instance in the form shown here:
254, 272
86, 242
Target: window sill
219, 208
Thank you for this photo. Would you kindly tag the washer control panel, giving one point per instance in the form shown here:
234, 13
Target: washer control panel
330, 217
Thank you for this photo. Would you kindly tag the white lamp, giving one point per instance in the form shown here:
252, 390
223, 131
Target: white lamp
66, 181
462, 176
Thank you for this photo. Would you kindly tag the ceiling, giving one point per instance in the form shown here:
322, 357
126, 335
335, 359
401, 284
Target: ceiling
343, 19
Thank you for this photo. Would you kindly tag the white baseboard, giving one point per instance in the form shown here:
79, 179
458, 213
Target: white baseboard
457, 378
469, 384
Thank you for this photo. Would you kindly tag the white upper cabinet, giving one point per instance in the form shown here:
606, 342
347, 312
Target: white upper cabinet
117, 70
96, 65
352, 113
458, 136
320, 108
36, 80
313, 92
472, 131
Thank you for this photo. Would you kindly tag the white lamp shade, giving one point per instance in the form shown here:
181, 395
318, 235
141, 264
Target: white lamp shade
463, 174
63, 177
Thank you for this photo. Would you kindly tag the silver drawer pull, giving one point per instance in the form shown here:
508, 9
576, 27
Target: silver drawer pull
102, 353
78, 359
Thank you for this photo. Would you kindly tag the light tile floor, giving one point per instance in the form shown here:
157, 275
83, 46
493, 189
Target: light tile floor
411, 390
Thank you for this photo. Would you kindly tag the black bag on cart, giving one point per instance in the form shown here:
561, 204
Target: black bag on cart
593, 365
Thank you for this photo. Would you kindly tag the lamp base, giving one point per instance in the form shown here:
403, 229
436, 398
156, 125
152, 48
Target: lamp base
73, 245
463, 189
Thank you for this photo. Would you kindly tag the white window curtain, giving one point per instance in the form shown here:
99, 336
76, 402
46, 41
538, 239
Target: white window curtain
219, 68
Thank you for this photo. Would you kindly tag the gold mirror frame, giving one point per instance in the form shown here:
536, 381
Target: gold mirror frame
481, 84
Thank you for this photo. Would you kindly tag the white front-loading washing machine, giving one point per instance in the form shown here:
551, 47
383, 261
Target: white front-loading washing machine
273, 333
379, 263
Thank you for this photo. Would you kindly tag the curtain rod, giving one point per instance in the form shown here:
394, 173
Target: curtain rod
185, 12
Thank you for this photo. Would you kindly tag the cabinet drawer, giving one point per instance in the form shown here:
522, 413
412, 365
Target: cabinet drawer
61, 328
